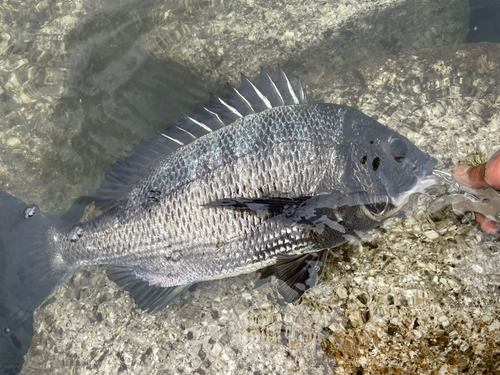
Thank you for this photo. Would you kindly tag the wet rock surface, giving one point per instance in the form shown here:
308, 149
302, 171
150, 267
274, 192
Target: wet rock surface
77, 92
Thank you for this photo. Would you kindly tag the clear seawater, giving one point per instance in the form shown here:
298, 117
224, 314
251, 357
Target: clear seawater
82, 82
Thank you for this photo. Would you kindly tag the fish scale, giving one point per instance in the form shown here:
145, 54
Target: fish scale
179, 180
204, 185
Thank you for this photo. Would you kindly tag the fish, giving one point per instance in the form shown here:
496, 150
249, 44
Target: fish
257, 180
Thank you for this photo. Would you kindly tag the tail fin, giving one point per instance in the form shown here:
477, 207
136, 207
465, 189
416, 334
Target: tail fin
26, 277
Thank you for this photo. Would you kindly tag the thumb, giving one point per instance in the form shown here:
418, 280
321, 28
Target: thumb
473, 177
482, 176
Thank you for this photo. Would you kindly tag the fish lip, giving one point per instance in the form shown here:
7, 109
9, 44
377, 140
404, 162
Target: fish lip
428, 178
429, 167
424, 179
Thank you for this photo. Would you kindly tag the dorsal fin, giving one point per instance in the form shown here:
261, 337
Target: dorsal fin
217, 113
203, 116
127, 170
257, 99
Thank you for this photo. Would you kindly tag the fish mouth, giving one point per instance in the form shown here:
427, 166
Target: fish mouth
429, 167
424, 179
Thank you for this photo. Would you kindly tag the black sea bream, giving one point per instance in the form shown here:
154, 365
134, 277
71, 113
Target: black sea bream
260, 179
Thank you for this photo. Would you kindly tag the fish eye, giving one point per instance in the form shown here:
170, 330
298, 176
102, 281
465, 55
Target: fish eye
398, 149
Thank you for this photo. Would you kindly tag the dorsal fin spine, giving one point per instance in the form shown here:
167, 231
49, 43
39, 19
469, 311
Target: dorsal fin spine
230, 108
264, 73
301, 92
187, 132
197, 123
214, 115
257, 91
288, 86
172, 139
235, 90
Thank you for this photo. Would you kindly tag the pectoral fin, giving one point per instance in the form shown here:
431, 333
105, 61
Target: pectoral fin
269, 207
324, 211
313, 213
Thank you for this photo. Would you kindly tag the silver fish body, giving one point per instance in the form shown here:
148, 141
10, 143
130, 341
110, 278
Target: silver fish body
258, 179
167, 232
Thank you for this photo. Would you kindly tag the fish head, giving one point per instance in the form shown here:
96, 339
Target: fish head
385, 162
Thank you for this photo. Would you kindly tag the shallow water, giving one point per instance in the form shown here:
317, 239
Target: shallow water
82, 82
85, 81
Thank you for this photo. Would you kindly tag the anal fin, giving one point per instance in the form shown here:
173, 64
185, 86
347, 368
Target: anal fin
151, 298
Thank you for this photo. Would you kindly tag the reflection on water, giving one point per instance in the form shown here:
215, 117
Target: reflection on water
80, 89
57, 59
82, 82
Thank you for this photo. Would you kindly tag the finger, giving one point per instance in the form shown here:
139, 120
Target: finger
482, 176
492, 173
488, 226
473, 177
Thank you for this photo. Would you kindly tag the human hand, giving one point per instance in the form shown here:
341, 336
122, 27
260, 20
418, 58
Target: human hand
486, 175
